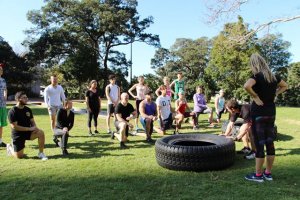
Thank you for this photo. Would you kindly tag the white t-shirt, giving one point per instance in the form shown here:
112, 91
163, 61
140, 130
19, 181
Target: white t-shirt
54, 96
140, 91
113, 93
165, 103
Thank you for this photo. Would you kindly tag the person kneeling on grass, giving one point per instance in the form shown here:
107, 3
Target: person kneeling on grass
148, 113
64, 123
241, 111
180, 109
23, 128
164, 111
124, 112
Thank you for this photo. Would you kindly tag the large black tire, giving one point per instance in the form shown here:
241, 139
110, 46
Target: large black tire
195, 152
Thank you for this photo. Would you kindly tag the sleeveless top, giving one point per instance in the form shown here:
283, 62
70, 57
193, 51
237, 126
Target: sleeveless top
113, 93
221, 103
140, 91
150, 109
179, 86
182, 108
169, 93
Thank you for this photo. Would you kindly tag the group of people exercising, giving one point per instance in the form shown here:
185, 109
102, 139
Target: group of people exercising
259, 117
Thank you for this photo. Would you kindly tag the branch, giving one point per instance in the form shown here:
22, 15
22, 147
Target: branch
244, 38
218, 8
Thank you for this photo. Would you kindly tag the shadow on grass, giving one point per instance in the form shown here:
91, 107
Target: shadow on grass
97, 148
283, 137
286, 152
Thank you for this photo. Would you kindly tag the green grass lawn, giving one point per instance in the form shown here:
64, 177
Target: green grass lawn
97, 169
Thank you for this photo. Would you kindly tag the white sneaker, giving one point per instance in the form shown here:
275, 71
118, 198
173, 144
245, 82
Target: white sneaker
8, 149
42, 156
250, 156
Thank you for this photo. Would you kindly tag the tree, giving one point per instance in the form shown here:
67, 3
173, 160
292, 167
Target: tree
18, 72
275, 50
186, 55
229, 61
292, 96
64, 26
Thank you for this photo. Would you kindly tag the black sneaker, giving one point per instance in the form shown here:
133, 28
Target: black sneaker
175, 133
65, 152
149, 140
96, 132
253, 177
112, 135
56, 141
2, 144
123, 146
244, 150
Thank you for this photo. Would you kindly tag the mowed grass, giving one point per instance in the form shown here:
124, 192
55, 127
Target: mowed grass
97, 169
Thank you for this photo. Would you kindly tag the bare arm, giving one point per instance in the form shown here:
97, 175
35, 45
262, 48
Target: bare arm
107, 93
142, 110
229, 128
282, 86
157, 92
5, 94
216, 103
248, 87
15, 126
130, 91
87, 104
171, 85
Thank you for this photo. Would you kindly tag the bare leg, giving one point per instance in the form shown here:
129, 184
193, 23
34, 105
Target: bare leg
259, 164
269, 162
41, 138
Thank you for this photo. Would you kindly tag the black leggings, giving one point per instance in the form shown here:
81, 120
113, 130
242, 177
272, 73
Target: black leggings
263, 134
93, 115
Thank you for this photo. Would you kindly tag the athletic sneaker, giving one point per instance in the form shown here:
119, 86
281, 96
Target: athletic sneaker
2, 144
90, 133
195, 128
8, 149
42, 156
56, 141
250, 156
211, 126
149, 140
267, 177
65, 152
253, 177
96, 132
109, 131
123, 146
176, 133
112, 135
245, 150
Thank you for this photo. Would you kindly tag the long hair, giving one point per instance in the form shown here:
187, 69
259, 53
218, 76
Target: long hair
92, 81
258, 64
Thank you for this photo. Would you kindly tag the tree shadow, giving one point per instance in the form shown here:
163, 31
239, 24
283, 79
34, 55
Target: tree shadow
281, 151
283, 137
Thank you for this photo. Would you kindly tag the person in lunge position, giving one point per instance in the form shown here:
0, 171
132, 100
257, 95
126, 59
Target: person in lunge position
180, 108
148, 112
23, 128
124, 113
64, 123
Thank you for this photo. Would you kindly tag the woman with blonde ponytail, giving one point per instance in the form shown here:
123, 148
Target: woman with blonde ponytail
263, 86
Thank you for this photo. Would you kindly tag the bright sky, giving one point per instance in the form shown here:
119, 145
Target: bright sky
172, 19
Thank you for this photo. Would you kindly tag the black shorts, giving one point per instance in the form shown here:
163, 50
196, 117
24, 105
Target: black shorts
137, 103
110, 109
18, 140
166, 123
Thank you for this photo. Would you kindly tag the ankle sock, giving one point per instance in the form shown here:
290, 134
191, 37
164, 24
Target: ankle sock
267, 172
258, 174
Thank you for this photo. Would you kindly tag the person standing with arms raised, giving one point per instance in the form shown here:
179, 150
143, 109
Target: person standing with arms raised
263, 86
54, 97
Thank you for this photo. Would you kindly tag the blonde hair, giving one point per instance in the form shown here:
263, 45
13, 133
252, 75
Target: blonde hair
258, 64
166, 78
92, 81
